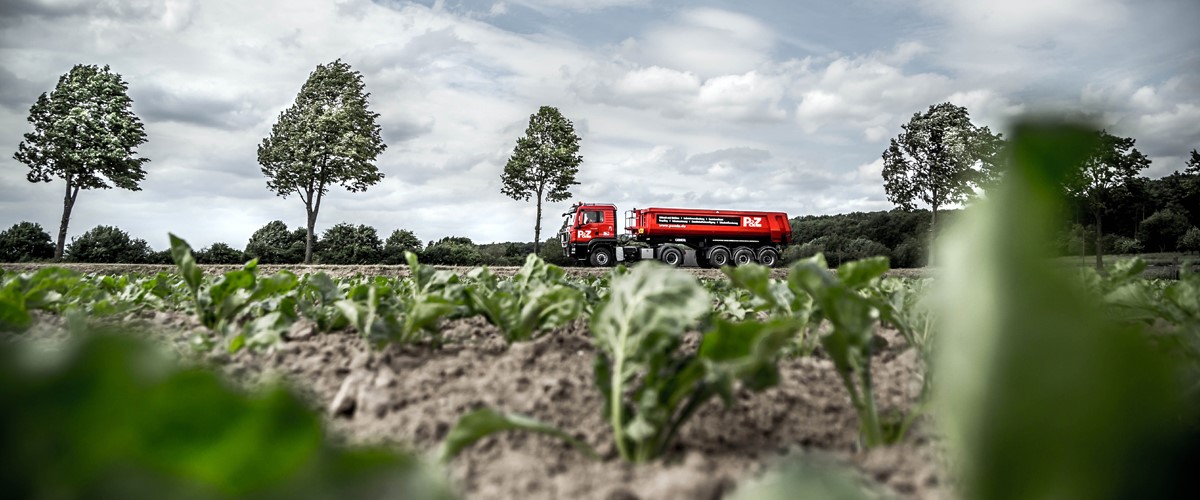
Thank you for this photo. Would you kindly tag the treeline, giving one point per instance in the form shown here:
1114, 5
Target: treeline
274, 243
1142, 216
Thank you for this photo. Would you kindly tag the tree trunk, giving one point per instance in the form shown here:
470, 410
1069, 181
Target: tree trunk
68, 204
537, 227
1099, 244
932, 236
308, 239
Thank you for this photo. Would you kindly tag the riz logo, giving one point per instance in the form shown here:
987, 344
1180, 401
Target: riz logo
752, 221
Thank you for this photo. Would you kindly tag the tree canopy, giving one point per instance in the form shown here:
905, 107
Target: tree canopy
328, 136
543, 164
86, 133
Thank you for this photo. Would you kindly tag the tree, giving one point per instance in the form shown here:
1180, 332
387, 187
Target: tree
274, 244
84, 133
1192, 169
109, 245
1190, 241
347, 244
24, 242
1163, 229
328, 136
543, 164
939, 159
401, 240
220, 253
1112, 163
452, 251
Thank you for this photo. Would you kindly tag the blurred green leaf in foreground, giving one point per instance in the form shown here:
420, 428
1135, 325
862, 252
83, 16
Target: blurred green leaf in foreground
1040, 394
108, 418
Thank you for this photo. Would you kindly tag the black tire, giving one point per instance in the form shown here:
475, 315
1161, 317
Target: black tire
601, 257
742, 256
767, 256
671, 256
718, 257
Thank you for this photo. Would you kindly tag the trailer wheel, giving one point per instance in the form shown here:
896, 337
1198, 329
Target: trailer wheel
671, 256
742, 256
718, 257
601, 257
768, 257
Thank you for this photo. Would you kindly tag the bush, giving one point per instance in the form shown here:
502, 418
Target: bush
452, 251
552, 253
1117, 244
220, 253
400, 241
1190, 241
794, 253
911, 253
1162, 230
273, 244
107, 244
24, 242
347, 244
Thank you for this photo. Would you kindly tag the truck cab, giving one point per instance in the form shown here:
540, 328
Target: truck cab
589, 232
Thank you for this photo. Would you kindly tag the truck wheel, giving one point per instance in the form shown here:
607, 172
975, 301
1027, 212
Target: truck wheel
768, 257
718, 257
601, 257
671, 256
742, 256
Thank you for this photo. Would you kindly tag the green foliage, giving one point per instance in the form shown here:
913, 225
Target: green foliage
220, 253
22, 293
939, 159
389, 312
347, 244
452, 251
484, 422
108, 244
84, 132
25, 241
1041, 394
536, 299
1163, 229
224, 304
1190, 241
109, 419
400, 241
274, 244
852, 315
543, 164
650, 389
327, 136
1111, 162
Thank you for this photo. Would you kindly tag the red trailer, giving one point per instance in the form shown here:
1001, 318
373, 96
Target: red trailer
713, 238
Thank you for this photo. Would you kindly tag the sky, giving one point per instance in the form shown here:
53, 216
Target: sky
756, 104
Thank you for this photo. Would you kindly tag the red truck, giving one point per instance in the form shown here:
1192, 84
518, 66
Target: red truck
713, 238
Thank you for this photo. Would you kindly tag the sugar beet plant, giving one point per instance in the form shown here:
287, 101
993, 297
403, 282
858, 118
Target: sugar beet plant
537, 298
650, 386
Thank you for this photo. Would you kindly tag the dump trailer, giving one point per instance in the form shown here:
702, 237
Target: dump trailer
713, 238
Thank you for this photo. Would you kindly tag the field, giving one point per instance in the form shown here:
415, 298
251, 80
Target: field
408, 394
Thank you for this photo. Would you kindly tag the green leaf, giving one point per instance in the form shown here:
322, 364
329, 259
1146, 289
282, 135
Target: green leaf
484, 422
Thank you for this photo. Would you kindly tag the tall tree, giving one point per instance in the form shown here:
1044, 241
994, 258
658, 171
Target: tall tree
544, 163
939, 158
1112, 163
85, 133
328, 136
1192, 168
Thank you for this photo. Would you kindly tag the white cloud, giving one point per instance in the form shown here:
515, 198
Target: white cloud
705, 41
